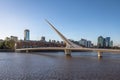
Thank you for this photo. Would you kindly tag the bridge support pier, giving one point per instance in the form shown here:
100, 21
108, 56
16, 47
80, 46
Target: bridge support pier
27, 51
67, 52
99, 54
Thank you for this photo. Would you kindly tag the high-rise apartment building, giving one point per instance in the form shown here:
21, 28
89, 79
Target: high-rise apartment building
26, 34
107, 40
85, 43
111, 43
89, 44
14, 38
43, 39
100, 41
104, 42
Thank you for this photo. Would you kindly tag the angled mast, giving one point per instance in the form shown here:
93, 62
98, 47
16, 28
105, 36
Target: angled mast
68, 43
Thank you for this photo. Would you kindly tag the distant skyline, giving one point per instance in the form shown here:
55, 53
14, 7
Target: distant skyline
75, 19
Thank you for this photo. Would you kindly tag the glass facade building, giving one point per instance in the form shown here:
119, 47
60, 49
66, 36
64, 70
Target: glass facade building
104, 42
107, 40
43, 39
26, 34
111, 43
85, 43
100, 41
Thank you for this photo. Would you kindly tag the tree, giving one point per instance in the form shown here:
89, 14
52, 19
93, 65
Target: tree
1, 45
9, 44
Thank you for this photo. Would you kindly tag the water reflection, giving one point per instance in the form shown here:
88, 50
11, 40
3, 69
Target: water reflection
100, 58
68, 57
57, 66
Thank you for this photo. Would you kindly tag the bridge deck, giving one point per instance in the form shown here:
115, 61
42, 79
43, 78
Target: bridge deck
72, 49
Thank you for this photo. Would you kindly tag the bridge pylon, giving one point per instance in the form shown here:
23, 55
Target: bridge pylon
69, 44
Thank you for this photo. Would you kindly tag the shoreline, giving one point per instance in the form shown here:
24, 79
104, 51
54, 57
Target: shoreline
7, 50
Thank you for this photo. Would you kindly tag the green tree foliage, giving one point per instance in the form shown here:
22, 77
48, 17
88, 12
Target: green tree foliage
2, 45
7, 44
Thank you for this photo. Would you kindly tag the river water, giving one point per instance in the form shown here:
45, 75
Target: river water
57, 66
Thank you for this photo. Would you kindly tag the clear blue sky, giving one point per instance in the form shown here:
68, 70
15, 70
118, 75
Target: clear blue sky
76, 19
